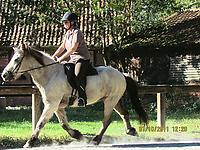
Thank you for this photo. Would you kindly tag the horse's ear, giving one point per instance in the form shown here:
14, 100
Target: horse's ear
23, 47
15, 48
18, 49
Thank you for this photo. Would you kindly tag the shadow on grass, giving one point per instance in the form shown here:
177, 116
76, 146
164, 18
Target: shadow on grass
91, 113
17, 115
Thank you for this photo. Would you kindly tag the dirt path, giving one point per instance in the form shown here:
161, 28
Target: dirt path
183, 145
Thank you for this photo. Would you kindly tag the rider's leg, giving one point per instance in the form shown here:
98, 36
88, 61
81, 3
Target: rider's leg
80, 69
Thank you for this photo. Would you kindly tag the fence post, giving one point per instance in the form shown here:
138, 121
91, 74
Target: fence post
36, 108
2, 103
161, 97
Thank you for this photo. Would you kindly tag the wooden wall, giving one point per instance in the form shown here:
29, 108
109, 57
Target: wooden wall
185, 68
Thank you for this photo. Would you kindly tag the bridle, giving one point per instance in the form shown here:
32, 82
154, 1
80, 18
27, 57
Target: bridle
16, 69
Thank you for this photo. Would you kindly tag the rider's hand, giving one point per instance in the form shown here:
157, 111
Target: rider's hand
59, 60
55, 58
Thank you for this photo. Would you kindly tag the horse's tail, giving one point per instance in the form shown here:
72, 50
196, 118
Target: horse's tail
132, 91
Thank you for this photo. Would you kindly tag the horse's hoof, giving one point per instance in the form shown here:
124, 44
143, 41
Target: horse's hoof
132, 132
94, 143
27, 145
81, 138
96, 140
77, 135
30, 142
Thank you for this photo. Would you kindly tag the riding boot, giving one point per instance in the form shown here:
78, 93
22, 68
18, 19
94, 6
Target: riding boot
82, 101
80, 69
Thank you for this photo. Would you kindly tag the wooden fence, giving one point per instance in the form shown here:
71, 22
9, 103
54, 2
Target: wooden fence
160, 90
25, 91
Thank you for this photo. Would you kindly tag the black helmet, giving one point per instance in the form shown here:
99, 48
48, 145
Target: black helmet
71, 16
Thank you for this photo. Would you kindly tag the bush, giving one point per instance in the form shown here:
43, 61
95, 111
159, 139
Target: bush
182, 102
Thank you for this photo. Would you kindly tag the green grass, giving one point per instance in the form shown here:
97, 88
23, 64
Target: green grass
16, 127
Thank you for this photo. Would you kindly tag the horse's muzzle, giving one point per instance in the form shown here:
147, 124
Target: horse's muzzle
7, 76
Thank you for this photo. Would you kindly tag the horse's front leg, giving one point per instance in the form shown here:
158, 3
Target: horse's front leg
47, 113
61, 115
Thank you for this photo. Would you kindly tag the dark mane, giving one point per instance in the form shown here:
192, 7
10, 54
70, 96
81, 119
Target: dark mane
34, 53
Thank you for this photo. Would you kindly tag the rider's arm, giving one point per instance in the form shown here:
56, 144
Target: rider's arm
69, 52
59, 50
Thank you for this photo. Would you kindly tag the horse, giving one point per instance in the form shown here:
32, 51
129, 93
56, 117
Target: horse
50, 78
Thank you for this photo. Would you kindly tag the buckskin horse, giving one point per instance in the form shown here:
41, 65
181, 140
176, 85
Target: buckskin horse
50, 78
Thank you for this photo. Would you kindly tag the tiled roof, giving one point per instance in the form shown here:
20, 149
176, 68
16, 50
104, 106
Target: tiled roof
187, 26
31, 21
183, 16
183, 29
16, 24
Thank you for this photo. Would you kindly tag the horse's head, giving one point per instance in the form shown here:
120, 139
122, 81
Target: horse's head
11, 71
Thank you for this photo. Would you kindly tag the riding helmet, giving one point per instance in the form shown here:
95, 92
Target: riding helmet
71, 16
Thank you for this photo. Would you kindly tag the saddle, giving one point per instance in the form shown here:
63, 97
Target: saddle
69, 71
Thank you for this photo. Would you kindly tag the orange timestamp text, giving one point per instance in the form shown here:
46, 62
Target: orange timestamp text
163, 129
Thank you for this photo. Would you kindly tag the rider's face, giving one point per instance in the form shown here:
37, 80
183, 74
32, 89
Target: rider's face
67, 24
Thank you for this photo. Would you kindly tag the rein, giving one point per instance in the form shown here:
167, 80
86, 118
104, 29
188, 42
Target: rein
38, 67
35, 68
19, 65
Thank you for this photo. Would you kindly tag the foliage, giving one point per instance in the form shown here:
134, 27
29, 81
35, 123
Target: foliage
120, 18
185, 4
188, 103
184, 103
111, 19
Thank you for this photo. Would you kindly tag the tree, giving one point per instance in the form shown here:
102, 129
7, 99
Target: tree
113, 20
119, 18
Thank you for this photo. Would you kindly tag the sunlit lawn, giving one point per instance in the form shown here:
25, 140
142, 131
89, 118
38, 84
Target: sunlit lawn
16, 127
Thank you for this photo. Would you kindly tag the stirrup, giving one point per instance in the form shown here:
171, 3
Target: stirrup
72, 97
81, 102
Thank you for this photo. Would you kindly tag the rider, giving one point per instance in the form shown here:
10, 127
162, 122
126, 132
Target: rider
76, 48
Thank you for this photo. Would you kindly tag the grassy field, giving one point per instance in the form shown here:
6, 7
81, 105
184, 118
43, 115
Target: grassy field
16, 127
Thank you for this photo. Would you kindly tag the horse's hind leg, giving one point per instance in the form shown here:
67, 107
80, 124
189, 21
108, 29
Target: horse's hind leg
106, 122
125, 117
60, 113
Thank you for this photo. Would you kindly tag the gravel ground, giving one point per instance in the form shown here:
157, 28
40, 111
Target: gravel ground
182, 145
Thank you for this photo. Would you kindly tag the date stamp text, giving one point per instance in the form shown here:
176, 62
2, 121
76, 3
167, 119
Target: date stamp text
163, 129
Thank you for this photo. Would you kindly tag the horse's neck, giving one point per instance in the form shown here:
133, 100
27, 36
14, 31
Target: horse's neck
43, 75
